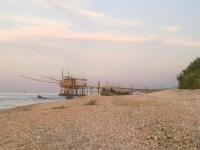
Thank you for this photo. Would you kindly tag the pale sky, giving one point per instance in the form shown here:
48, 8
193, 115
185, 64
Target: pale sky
144, 42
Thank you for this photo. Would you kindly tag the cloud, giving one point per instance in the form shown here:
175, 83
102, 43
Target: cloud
3, 18
181, 41
36, 27
31, 20
62, 31
47, 28
60, 4
172, 29
39, 3
84, 12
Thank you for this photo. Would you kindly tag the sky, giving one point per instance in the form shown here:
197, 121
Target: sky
146, 43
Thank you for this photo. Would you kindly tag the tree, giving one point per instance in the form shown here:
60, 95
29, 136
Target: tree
189, 78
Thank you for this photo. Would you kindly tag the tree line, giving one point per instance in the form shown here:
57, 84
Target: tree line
189, 78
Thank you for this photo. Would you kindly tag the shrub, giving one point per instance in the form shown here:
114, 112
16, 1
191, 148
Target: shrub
189, 78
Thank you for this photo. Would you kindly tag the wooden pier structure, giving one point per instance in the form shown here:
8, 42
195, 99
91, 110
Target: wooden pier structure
72, 86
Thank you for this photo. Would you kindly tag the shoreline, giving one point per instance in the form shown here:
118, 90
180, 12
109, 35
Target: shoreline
161, 120
8, 103
40, 103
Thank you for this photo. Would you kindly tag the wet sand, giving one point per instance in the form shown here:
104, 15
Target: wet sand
168, 119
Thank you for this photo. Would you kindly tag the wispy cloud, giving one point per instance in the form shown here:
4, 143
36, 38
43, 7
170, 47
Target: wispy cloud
42, 27
62, 31
181, 41
3, 18
25, 20
172, 29
84, 12
60, 4
52, 28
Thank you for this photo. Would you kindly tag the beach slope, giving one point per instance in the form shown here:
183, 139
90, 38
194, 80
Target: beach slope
168, 119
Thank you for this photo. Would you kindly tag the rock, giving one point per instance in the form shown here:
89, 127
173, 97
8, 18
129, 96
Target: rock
110, 91
41, 97
69, 97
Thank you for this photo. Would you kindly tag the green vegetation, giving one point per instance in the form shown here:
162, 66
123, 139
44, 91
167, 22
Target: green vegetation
190, 77
91, 102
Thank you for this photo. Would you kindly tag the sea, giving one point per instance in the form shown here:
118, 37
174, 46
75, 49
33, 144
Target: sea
11, 100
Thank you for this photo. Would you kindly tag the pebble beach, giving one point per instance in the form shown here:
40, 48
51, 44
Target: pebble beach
167, 119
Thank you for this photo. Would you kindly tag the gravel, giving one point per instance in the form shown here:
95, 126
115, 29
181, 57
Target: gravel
162, 120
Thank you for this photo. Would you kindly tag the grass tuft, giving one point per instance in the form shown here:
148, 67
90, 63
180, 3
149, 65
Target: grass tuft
61, 107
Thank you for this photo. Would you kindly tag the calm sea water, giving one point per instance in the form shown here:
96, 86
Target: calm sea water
11, 100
